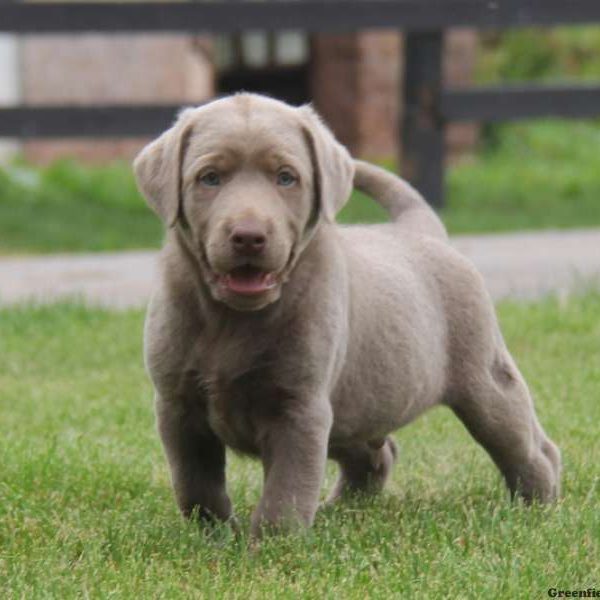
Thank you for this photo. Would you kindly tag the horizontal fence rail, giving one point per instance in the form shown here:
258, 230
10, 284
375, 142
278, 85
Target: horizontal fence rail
511, 103
479, 104
309, 15
90, 121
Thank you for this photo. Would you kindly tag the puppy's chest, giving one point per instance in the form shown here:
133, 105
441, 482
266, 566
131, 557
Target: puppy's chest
242, 406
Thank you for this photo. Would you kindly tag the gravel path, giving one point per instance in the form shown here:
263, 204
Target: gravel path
515, 265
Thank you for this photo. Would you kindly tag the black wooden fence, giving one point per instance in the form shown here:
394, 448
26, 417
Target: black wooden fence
428, 104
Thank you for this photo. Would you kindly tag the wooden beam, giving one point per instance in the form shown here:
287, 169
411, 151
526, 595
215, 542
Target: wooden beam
309, 15
78, 121
423, 129
509, 103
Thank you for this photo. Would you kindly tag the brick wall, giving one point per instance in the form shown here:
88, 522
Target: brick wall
124, 68
355, 81
9, 85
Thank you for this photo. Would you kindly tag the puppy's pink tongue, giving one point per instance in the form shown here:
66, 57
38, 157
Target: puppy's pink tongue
249, 281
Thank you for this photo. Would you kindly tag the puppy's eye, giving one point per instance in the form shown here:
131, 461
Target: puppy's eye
210, 179
285, 179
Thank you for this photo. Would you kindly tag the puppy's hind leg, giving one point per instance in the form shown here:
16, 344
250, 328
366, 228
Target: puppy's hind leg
364, 467
498, 411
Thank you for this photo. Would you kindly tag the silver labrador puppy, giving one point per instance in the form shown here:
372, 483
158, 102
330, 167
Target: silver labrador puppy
287, 337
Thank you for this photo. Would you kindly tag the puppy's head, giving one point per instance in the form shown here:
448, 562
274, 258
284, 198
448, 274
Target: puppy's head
248, 179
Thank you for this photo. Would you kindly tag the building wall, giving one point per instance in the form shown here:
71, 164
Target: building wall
356, 84
460, 56
10, 90
120, 68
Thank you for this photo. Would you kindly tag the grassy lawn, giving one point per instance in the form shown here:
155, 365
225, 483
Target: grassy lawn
86, 508
68, 207
530, 176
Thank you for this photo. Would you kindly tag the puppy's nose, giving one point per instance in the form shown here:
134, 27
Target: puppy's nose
248, 239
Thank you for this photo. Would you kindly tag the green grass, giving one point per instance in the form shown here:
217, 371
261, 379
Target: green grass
70, 208
531, 176
86, 508
540, 54
526, 176
536, 176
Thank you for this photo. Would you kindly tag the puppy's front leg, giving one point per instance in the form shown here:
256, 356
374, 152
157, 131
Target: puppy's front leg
294, 455
196, 459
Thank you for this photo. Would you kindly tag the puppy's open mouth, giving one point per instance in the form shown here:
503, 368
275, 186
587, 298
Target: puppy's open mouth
248, 280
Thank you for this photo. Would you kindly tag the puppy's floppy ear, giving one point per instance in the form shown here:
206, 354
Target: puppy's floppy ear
333, 166
157, 169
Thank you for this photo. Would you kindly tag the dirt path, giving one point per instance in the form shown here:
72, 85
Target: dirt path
515, 265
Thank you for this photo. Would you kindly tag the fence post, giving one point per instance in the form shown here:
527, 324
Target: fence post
423, 126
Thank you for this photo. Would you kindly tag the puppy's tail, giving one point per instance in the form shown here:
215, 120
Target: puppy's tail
405, 205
